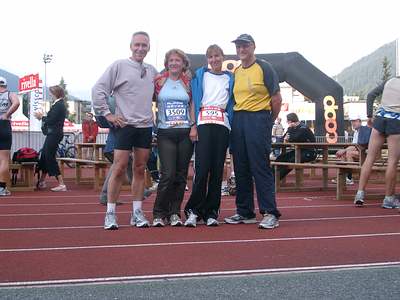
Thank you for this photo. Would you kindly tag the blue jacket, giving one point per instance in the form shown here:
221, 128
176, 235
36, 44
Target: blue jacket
197, 92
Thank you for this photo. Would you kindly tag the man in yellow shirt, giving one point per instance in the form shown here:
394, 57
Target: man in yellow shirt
257, 105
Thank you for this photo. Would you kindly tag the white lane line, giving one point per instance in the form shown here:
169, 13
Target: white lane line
195, 243
150, 211
177, 276
281, 220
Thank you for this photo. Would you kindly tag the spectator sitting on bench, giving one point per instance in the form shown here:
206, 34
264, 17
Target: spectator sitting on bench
351, 153
297, 132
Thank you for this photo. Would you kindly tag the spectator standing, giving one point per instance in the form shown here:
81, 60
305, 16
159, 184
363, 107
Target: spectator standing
9, 103
90, 130
55, 132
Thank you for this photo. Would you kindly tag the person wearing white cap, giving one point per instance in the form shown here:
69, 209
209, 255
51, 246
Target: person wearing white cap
351, 153
9, 103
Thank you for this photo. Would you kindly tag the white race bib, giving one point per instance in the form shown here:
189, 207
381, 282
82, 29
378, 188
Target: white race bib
211, 115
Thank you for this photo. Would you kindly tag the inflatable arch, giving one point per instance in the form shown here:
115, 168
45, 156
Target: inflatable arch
308, 80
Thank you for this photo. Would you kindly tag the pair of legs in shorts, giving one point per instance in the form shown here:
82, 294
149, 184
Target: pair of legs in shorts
389, 129
5, 146
128, 138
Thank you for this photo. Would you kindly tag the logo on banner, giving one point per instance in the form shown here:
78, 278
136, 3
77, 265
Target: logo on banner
28, 83
330, 119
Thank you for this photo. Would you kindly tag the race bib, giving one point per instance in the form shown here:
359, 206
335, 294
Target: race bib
211, 115
176, 113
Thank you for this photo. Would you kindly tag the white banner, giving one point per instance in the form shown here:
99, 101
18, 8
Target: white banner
36, 104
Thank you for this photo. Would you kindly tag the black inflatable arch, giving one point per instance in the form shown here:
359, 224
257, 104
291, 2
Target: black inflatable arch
308, 80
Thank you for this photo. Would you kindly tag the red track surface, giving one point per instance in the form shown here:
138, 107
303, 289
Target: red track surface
48, 236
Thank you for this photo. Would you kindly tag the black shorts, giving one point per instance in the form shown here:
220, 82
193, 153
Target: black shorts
129, 137
5, 135
387, 126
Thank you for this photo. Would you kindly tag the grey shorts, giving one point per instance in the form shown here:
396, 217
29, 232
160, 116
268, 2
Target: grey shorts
387, 126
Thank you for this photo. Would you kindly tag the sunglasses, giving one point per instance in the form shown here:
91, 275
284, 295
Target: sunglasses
143, 73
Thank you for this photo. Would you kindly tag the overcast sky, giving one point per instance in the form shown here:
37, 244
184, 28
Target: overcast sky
85, 37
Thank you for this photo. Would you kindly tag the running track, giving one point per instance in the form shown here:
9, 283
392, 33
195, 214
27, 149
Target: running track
50, 238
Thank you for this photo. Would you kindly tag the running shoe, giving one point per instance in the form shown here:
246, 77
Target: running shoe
268, 222
238, 219
138, 219
110, 221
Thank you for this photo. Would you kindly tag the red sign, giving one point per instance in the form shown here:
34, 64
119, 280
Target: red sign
28, 82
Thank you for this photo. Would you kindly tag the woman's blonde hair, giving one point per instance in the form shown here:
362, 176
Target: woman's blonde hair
214, 47
181, 54
57, 91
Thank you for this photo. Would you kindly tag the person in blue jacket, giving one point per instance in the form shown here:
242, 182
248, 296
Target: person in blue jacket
212, 90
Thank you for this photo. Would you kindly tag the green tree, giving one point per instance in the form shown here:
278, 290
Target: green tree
386, 75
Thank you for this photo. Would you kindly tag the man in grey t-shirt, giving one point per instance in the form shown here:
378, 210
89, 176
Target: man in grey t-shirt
131, 82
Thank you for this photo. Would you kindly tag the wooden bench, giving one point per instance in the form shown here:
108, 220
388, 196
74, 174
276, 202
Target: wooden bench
341, 171
99, 167
26, 174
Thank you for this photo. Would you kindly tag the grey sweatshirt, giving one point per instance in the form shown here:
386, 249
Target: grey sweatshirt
132, 88
390, 91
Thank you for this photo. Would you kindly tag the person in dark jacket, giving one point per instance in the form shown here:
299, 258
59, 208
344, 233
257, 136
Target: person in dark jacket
297, 132
55, 125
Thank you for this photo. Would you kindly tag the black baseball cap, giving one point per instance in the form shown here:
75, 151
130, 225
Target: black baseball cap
244, 38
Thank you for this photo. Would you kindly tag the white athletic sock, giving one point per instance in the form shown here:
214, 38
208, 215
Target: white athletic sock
232, 174
137, 205
111, 207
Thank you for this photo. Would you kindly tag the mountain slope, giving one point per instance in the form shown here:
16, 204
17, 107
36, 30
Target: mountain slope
366, 73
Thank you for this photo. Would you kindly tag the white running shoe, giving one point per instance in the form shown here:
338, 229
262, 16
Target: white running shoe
138, 219
191, 220
59, 188
110, 221
212, 222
